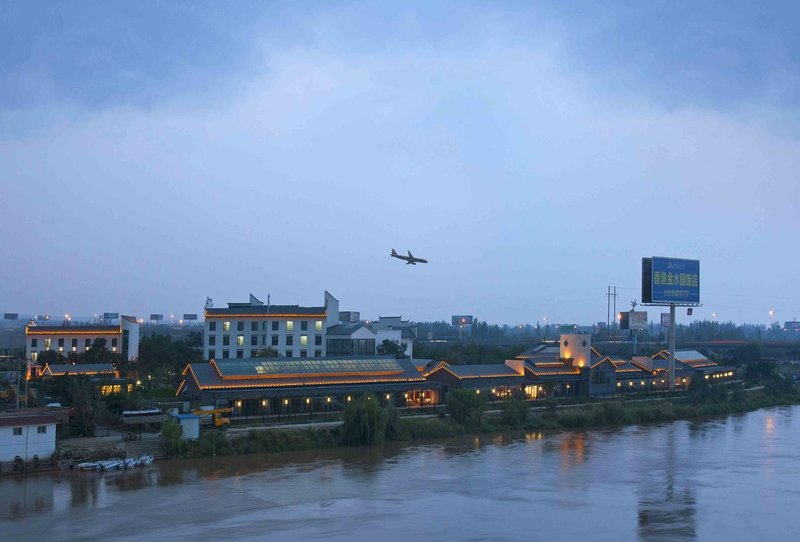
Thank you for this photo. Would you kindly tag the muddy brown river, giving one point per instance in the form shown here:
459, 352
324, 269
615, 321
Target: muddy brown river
736, 478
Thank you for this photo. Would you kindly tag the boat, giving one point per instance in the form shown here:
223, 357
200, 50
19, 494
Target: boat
146, 459
110, 464
130, 463
89, 465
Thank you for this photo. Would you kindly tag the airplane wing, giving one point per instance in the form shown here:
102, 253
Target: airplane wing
410, 255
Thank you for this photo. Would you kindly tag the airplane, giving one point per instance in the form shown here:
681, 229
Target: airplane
410, 259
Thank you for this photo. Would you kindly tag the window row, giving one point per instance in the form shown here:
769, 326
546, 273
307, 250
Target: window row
274, 340
87, 343
226, 354
274, 324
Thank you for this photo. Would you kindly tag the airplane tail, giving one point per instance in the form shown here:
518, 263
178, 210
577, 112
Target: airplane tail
394, 253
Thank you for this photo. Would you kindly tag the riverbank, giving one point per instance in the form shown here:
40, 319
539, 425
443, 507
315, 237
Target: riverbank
513, 416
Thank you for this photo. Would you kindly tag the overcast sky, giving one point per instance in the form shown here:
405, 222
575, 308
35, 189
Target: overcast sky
155, 153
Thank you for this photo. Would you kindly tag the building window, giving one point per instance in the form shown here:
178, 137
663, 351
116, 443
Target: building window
226, 340
212, 340
317, 353
289, 340
253, 340
240, 354
61, 343
239, 326
288, 353
253, 326
317, 340
318, 325
34, 356
212, 326
303, 340
18, 431
240, 340
34, 343
274, 340
212, 354
41, 429
275, 325
303, 353
289, 325
226, 326
304, 325
87, 343
225, 354
47, 343
74, 343
114, 343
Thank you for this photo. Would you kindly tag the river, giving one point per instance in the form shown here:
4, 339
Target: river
736, 478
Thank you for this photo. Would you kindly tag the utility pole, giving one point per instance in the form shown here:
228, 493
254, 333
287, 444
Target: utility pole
672, 346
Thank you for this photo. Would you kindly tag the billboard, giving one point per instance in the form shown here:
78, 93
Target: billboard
10, 316
156, 317
633, 320
189, 317
664, 319
462, 320
110, 315
670, 280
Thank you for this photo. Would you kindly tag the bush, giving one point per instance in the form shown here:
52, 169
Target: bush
514, 412
174, 445
392, 422
613, 413
465, 407
364, 422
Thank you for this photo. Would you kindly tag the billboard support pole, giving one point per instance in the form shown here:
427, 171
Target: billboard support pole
672, 346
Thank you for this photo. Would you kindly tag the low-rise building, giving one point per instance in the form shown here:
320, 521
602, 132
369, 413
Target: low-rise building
27, 435
122, 338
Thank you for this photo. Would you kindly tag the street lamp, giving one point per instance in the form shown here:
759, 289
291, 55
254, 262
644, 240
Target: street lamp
544, 319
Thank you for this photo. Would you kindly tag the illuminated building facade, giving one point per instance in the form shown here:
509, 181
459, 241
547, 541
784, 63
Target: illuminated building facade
242, 330
268, 386
122, 338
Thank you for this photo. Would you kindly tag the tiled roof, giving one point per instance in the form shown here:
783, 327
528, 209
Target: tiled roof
344, 329
70, 330
207, 376
79, 369
487, 370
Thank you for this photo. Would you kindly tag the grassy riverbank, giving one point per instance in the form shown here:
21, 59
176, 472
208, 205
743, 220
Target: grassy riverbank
374, 425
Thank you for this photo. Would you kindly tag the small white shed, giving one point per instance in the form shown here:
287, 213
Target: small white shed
190, 425
26, 435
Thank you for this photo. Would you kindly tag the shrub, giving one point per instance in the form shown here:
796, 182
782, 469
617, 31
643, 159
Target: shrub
514, 412
465, 407
613, 413
392, 422
364, 422
174, 445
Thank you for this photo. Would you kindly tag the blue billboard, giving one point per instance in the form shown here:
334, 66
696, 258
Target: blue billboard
670, 280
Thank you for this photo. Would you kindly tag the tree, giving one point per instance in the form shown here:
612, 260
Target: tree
267, 352
392, 348
466, 406
49, 357
364, 422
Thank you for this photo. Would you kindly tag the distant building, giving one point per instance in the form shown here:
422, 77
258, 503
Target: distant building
122, 338
364, 339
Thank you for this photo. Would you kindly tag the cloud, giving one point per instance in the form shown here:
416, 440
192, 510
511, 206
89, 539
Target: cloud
529, 187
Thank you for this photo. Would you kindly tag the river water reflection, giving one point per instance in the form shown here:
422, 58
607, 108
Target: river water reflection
736, 478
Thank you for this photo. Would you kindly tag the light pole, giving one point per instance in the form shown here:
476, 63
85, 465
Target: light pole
545, 328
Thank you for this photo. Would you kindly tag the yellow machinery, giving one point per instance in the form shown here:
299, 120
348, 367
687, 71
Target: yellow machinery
216, 416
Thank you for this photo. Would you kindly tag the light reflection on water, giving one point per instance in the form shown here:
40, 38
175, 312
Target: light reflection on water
734, 478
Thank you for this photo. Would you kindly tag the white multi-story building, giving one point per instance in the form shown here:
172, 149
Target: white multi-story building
242, 330
122, 338
27, 435
364, 339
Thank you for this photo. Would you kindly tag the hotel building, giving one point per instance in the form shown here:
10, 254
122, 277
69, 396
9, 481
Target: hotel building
122, 338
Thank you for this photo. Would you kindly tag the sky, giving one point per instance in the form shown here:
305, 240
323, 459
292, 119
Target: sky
153, 154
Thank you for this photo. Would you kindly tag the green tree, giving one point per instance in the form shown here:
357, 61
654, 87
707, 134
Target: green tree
364, 422
466, 406
392, 348
174, 443
267, 352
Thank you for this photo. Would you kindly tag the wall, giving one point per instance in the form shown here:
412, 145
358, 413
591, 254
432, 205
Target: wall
28, 444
